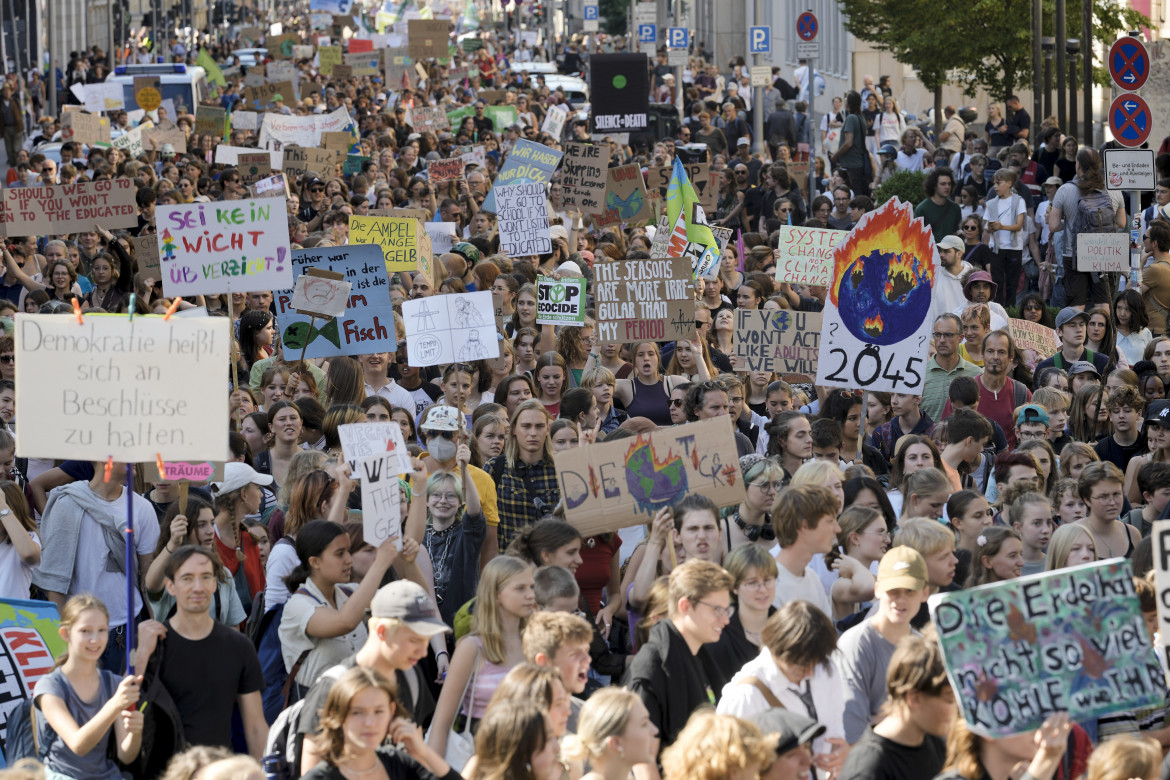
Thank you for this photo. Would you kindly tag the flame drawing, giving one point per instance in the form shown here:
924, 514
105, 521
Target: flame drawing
894, 230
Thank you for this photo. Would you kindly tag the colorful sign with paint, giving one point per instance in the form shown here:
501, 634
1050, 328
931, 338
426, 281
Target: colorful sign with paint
70, 208
805, 255
397, 237
29, 645
528, 162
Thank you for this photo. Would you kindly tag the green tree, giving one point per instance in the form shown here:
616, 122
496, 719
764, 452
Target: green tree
907, 186
614, 12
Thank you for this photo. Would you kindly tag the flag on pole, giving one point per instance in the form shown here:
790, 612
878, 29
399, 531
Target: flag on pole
208, 63
690, 234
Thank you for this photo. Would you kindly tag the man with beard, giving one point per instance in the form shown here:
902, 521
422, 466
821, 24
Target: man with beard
999, 394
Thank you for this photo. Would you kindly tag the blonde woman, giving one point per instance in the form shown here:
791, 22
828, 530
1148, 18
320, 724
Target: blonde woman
716, 747
614, 734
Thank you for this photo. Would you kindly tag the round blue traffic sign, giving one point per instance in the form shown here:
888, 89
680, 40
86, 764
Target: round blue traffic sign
1129, 63
806, 26
1130, 120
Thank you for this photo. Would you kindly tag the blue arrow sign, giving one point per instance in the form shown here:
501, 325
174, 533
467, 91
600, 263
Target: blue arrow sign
647, 33
676, 37
760, 40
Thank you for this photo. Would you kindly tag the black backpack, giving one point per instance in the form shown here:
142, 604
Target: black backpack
1094, 213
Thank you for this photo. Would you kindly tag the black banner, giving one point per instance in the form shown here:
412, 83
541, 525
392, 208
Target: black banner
619, 92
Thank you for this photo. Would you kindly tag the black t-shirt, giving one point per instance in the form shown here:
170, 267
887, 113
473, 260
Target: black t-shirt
204, 678
1109, 450
877, 758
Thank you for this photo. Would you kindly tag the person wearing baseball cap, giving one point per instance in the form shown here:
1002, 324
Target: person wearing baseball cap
403, 622
864, 651
978, 287
1031, 422
1072, 330
791, 735
948, 284
239, 494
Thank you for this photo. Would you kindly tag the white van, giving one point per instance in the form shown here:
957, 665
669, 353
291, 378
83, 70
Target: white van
184, 84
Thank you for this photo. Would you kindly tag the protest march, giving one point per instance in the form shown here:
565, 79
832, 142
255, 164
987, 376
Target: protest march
412, 391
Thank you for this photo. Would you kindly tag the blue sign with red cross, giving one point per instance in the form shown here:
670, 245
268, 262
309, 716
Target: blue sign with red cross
1130, 120
806, 26
1129, 63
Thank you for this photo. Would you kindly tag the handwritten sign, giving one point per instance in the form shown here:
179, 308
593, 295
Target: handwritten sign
130, 389
442, 235
527, 163
644, 300
299, 160
106, 96
658, 179
428, 38
805, 255
381, 502
146, 254
254, 166
584, 175
1069, 640
1032, 335
338, 141
363, 63
209, 120
368, 440
1103, 252
327, 57
29, 643
70, 208
131, 142
367, 322
448, 328
612, 485
625, 198
397, 237
522, 216
554, 121
265, 95
226, 246
1161, 539
428, 118
84, 128
280, 130
449, 169
560, 301
784, 342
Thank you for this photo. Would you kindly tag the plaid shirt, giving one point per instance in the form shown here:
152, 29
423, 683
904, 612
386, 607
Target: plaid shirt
516, 506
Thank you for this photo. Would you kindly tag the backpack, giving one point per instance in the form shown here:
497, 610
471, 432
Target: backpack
1095, 213
282, 750
21, 739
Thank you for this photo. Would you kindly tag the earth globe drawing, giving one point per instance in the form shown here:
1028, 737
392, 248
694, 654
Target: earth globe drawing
653, 483
884, 275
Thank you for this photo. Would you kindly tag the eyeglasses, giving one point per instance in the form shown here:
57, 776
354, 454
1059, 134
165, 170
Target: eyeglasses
884, 534
449, 498
767, 487
940, 335
720, 612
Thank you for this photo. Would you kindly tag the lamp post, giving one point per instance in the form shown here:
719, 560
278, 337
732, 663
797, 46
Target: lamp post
1048, 45
1072, 47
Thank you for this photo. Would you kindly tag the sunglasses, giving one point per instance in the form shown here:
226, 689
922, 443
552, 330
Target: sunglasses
448, 435
676, 402
317, 189
7, 359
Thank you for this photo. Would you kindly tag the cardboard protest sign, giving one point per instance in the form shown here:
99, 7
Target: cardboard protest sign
373, 439
522, 217
122, 388
70, 208
560, 301
89, 129
327, 57
1032, 335
146, 255
397, 237
337, 141
428, 118
29, 643
442, 235
1071, 640
449, 169
342, 72
265, 96
274, 186
106, 96
805, 255
584, 176
173, 135
363, 63
619, 86
612, 485
280, 47
783, 342
448, 328
367, 323
1161, 539
299, 160
244, 120
228, 246
1103, 252
706, 186
527, 163
644, 300
230, 155
209, 120
148, 92
428, 38
625, 198
131, 142
254, 166
397, 63
878, 313
320, 293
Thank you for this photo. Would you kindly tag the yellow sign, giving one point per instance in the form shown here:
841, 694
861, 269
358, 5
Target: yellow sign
147, 93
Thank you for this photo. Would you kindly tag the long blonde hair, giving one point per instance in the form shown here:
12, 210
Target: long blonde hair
605, 715
71, 613
485, 622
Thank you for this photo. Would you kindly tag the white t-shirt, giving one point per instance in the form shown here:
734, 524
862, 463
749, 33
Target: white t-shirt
282, 559
15, 574
89, 567
807, 587
393, 392
326, 651
1005, 211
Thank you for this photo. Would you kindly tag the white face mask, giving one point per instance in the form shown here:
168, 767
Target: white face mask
441, 449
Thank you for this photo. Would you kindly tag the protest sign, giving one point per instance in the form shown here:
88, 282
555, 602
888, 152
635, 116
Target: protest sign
89, 129
244, 120
266, 95
337, 141
228, 246
131, 142
877, 317
29, 643
783, 342
367, 324
1103, 252
280, 47
449, 328
442, 235
805, 255
342, 72
230, 155
502, 117
146, 255
397, 237
527, 163
522, 217
185, 470
428, 38
472, 155
619, 85
707, 188
428, 117
274, 186
327, 57
381, 502
254, 166
360, 43
279, 70
171, 134
106, 96
560, 301
364, 63
70, 208
121, 388
584, 176
1161, 539
625, 198
373, 439
397, 63
644, 300
320, 293
443, 170
1071, 640
299, 160
280, 130
554, 121
353, 164
303, 52
148, 92
209, 120
492, 96
1032, 335
612, 485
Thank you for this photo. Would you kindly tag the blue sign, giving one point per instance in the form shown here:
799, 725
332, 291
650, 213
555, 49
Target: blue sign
1130, 120
760, 40
368, 323
590, 13
1129, 63
528, 162
676, 37
806, 26
647, 33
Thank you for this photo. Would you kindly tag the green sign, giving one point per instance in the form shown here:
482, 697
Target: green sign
560, 301
502, 117
353, 164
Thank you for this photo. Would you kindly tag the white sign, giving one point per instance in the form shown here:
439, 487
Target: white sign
522, 216
1103, 252
805, 255
646, 13
225, 246
1161, 539
442, 236
320, 295
131, 141
448, 328
374, 440
106, 96
761, 75
230, 155
381, 507
114, 387
808, 50
280, 130
554, 121
245, 120
1130, 169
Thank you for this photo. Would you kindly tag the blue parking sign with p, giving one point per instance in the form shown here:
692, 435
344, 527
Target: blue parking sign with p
760, 40
647, 33
590, 12
677, 37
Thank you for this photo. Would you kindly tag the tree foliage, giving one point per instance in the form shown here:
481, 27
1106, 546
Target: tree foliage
907, 186
614, 12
